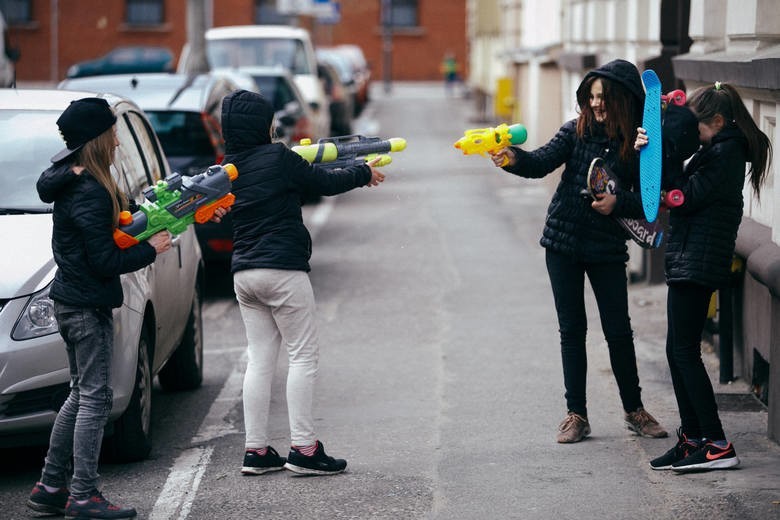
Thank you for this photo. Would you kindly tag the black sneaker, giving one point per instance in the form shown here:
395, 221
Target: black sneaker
96, 507
48, 503
709, 456
317, 464
256, 464
682, 449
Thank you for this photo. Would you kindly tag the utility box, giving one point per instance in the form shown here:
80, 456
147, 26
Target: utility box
504, 101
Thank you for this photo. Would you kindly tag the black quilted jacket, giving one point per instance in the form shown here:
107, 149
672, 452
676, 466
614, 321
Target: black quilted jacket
268, 229
88, 261
573, 227
703, 231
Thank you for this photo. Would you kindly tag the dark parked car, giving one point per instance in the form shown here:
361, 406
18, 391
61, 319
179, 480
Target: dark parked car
125, 60
353, 67
157, 330
340, 98
186, 113
294, 118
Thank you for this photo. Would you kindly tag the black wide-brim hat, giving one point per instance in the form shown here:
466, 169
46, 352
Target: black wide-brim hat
82, 121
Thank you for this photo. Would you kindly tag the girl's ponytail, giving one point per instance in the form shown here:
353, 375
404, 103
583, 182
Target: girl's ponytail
723, 99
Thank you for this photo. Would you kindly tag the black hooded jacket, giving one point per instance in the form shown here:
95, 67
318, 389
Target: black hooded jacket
703, 231
572, 226
268, 229
88, 261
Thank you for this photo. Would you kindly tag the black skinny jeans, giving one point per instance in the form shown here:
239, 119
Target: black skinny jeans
686, 313
610, 286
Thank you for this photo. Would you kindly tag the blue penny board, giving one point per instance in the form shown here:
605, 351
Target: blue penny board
650, 158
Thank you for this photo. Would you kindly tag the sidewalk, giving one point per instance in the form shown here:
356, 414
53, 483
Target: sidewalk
756, 482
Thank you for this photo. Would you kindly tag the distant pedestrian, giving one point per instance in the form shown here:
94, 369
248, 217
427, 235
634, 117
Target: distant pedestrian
582, 239
451, 71
270, 265
699, 252
86, 286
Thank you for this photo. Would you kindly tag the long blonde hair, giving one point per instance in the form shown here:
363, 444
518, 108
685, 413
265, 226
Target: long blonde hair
96, 156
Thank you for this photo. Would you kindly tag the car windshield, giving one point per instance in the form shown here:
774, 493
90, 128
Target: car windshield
27, 142
267, 52
181, 133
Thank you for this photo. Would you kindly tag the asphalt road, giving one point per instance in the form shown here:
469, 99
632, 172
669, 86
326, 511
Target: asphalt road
440, 377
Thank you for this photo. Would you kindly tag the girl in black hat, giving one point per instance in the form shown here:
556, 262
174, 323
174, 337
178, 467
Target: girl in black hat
86, 287
699, 252
582, 239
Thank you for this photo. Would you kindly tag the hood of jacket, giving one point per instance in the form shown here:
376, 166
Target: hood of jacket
54, 180
619, 71
246, 121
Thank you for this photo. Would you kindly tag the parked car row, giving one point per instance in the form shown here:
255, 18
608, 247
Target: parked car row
158, 329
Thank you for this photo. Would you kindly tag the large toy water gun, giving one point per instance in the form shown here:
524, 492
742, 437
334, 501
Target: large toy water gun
177, 202
491, 140
348, 150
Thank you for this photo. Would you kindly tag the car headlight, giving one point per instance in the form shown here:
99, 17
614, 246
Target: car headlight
37, 318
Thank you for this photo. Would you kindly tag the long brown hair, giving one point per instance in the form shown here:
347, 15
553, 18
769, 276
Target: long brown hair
96, 156
724, 100
623, 114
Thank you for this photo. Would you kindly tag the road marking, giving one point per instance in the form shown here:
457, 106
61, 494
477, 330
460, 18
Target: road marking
175, 500
216, 424
320, 216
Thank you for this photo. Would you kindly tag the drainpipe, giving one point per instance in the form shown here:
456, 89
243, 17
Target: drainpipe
54, 70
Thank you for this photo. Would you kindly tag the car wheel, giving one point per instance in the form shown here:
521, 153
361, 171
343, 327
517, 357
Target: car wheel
184, 370
132, 439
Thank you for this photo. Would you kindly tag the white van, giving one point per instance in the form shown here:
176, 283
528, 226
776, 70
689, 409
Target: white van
269, 46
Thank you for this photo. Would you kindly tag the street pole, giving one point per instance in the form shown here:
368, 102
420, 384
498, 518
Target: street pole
196, 37
387, 44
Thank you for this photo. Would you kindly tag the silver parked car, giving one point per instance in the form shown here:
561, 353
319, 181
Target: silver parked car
157, 331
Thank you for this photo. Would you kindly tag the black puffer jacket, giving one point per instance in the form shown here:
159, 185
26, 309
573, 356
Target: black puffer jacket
88, 261
703, 231
573, 227
268, 229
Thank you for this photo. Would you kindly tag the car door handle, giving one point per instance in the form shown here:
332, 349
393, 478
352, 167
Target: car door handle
176, 244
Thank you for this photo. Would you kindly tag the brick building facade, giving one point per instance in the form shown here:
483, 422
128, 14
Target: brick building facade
58, 34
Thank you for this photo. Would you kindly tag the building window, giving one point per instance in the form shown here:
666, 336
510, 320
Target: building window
267, 13
16, 11
403, 13
145, 12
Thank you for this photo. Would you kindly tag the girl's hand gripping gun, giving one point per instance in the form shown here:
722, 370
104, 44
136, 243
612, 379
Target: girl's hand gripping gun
177, 202
490, 140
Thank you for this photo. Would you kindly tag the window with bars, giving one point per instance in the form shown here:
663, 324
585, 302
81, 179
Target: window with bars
403, 13
267, 13
144, 12
16, 11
